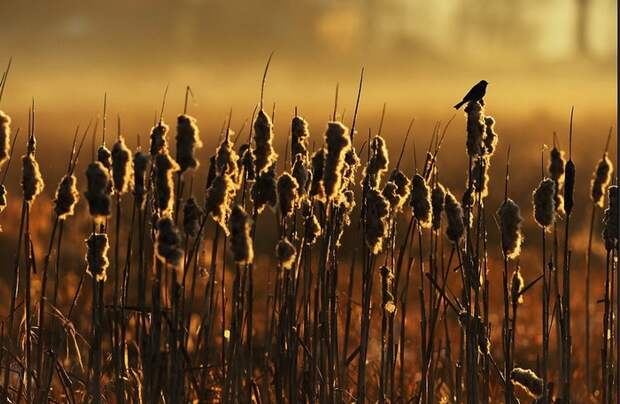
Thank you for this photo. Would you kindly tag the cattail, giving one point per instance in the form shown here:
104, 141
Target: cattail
211, 173
286, 253
140, 164
246, 162
299, 137
313, 229
338, 144
168, 243
377, 210
600, 180
345, 204
317, 190
402, 188
104, 156
516, 286
158, 138
377, 164
510, 226
219, 198
529, 382
480, 176
97, 256
191, 217
610, 219
556, 166
301, 173
454, 216
264, 153
421, 201
569, 186
475, 128
264, 190
122, 166
188, 140
165, 167
3, 201
32, 181
544, 203
66, 197
490, 138
438, 195
5, 137
240, 238
389, 193
226, 160
98, 189
351, 162
288, 194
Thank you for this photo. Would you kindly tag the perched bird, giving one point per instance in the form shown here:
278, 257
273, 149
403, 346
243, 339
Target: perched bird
476, 93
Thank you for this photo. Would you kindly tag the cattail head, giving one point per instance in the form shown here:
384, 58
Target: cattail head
318, 163
510, 226
264, 153
421, 201
313, 229
288, 194
104, 156
188, 140
610, 219
264, 190
401, 189
165, 167
438, 195
240, 238
168, 243
32, 181
544, 203
226, 160
345, 204
490, 138
97, 256
219, 198
516, 286
286, 253
454, 217
377, 164
299, 137
301, 173
569, 186
5, 137
211, 173
351, 162
529, 382
475, 129
66, 197
246, 161
122, 166
140, 164
556, 166
3, 201
159, 141
480, 176
338, 143
600, 180
98, 189
191, 217
376, 214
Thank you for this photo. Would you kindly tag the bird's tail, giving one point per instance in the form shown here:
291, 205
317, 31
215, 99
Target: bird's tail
459, 105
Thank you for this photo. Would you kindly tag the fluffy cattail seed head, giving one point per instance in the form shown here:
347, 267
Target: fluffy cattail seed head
122, 166
66, 197
301, 173
318, 163
140, 164
188, 140
377, 164
286, 253
438, 196
226, 160
491, 138
5, 137
191, 217
264, 153
264, 190
288, 194
401, 188
219, 199
97, 256
247, 162
165, 167
516, 286
610, 219
338, 144
168, 243
98, 189
352, 162
480, 176
529, 382
104, 156
376, 214
3, 201
159, 141
544, 203
299, 137
421, 201
32, 181
475, 129
556, 166
313, 229
240, 238
600, 180
510, 226
454, 216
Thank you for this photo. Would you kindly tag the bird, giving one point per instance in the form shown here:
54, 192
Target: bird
476, 93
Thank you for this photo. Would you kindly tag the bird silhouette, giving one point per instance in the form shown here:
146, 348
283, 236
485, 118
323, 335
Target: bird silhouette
476, 93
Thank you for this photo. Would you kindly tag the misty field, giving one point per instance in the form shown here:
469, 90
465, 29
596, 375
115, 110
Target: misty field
333, 269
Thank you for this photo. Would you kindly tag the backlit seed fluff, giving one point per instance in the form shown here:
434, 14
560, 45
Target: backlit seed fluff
529, 382
226, 160
389, 193
544, 203
191, 217
491, 138
66, 197
3, 201
188, 140
475, 129
301, 173
516, 286
32, 181
556, 166
376, 214
377, 164
240, 238
140, 164
5, 137
288, 194
104, 156
219, 198
168, 243
510, 227
263, 152
351, 162
122, 166
286, 253
601, 180
438, 195
299, 137
264, 190
97, 256
480, 176
246, 161
318, 163
313, 229
159, 141
165, 167
402, 188
338, 144
421, 201
610, 219
98, 188
454, 218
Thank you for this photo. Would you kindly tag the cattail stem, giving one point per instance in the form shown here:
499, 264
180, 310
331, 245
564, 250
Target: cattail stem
588, 376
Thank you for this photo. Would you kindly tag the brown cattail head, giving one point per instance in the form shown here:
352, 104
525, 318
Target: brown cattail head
286, 253
66, 197
352, 162
288, 194
454, 217
313, 229
377, 164
3, 201
338, 143
98, 190
480, 176
32, 181
544, 203
376, 214
211, 173
264, 153
389, 193
5, 137
401, 189
104, 156
475, 129
318, 163
610, 219
569, 186
168, 243
219, 198
556, 166
438, 196
140, 164
165, 167
529, 382
159, 141
264, 190
226, 160
299, 137
122, 166
421, 201
601, 180
240, 238
345, 205
302, 174
510, 227
516, 286
191, 217
246, 161
490, 140
97, 256
188, 140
